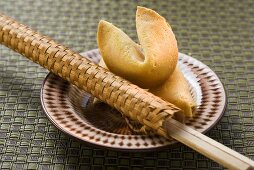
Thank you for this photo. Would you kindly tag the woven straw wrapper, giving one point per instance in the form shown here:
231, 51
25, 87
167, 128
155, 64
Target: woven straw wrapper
218, 34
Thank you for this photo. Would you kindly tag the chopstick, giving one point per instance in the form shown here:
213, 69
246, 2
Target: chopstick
152, 112
207, 146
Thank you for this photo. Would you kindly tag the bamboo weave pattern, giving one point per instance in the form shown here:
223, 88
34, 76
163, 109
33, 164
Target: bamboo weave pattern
129, 99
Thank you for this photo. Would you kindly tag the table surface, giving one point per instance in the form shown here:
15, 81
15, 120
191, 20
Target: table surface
220, 34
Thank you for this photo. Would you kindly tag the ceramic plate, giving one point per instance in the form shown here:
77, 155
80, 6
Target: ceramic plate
71, 110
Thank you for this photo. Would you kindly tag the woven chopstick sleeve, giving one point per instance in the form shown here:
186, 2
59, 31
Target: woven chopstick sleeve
129, 99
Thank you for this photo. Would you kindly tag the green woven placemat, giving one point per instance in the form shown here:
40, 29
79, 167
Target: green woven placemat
220, 34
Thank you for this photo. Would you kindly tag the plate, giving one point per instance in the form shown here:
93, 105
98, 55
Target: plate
72, 110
